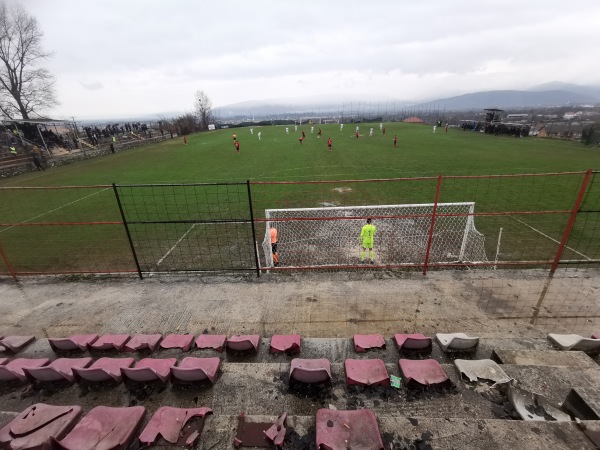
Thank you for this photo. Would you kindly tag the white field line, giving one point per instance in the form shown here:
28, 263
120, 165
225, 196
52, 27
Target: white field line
176, 244
55, 209
552, 239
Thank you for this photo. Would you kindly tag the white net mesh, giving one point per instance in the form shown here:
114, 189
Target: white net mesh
330, 236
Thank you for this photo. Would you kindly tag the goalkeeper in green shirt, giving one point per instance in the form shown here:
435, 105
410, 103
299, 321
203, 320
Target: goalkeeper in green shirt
367, 234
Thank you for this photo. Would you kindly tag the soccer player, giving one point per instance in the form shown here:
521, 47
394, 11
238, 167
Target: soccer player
367, 234
237, 147
329, 142
259, 135
287, 131
273, 233
446, 128
341, 126
434, 127
395, 140
319, 134
303, 135
301, 139
234, 137
252, 131
383, 131
184, 140
312, 129
356, 134
380, 125
371, 132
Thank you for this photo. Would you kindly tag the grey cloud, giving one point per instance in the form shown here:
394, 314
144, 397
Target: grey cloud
92, 86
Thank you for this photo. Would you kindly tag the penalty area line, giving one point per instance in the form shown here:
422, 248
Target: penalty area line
552, 239
176, 244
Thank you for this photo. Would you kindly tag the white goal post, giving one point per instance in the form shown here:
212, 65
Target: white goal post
329, 236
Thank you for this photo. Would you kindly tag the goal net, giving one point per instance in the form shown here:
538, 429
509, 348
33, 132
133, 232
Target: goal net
329, 236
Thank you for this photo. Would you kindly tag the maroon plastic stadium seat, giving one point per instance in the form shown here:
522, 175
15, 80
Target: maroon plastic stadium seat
109, 342
276, 433
422, 373
285, 343
364, 342
104, 369
14, 343
366, 372
142, 342
175, 425
413, 342
78, 342
214, 341
243, 343
182, 341
35, 427
310, 370
3, 361
60, 369
348, 430
196, 369
150, 369
104, 428
13, 371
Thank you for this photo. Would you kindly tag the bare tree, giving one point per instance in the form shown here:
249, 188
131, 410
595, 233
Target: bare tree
203, 109
26, 88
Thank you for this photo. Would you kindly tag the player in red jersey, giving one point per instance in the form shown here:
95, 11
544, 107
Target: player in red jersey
395, 140
329, 142
237, 147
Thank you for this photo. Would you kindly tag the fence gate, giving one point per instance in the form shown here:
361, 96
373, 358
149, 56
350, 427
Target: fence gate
183, 228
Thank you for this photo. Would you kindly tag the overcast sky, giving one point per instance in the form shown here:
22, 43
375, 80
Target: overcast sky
117, 58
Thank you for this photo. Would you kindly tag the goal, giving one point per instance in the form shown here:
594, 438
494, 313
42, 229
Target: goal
315, 237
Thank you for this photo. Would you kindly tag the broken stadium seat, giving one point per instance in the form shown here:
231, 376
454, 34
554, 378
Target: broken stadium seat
142, 342
13, 370
457, 342
243, 343
192, 370
175, 425
337, 430
77, 342
481, 369
103, 428
310, 371
150, 369
423, 373
285, 343
60, 369
35, 427
109, 342
415, 342
214, 341
14, 343
575, 342
366, 372
181, 341
364, 342
104, 369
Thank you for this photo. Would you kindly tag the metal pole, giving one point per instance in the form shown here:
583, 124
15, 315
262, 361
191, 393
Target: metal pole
432, 226
44, 142
571, 222
253, 229
10, 268
497, 249
137, 264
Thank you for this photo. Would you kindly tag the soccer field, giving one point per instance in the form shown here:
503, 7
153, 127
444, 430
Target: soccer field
211, 157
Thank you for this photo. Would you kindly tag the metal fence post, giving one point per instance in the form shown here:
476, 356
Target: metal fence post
253, 229
137, 264
10, 268
432, 226
571, 222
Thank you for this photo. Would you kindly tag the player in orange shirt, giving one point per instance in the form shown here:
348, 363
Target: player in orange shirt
329, 142
273, 233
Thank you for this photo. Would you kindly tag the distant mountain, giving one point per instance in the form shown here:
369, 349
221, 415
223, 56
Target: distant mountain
513, 99
593, 91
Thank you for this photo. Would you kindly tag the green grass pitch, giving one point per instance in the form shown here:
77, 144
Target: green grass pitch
211, 157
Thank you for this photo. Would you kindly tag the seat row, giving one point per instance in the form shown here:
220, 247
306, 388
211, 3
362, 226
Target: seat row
279, 343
